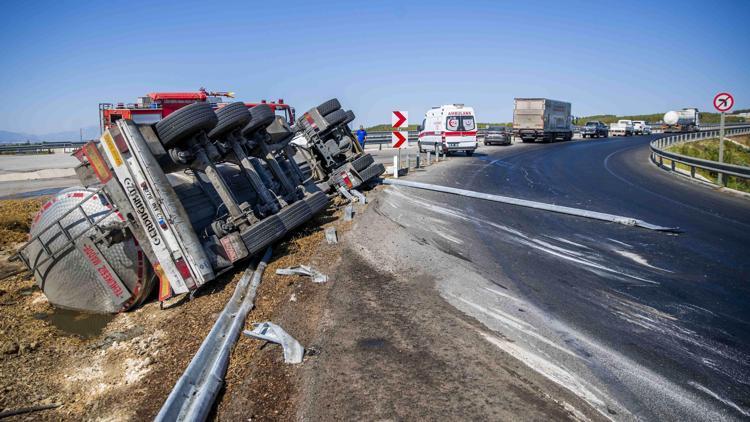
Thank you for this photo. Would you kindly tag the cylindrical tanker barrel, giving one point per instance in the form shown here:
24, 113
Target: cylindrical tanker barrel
683, 117
76, 271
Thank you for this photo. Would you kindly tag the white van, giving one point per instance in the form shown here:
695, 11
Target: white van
450, 127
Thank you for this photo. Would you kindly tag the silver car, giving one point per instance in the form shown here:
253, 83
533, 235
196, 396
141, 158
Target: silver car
498, 135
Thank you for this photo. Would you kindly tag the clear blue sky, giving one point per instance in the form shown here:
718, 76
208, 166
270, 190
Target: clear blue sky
59, 59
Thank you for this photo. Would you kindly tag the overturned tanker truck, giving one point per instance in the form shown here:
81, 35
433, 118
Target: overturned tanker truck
178, 202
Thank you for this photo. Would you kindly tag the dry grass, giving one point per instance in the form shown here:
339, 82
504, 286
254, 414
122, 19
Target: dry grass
15, 220
736, 152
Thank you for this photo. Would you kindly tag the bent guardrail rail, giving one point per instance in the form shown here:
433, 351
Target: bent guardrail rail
659, 153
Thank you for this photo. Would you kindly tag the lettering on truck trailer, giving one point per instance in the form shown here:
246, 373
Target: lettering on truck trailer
140, 208
128, 176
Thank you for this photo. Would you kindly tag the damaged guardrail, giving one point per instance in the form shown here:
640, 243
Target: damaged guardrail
193, 395
627, 221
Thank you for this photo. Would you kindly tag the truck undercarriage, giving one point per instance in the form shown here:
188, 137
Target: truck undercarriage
180, 201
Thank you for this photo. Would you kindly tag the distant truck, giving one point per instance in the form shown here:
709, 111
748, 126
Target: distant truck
623, 127
594, 129
640, 127
542, 119
685, 120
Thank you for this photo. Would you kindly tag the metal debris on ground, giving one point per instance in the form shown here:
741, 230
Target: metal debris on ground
348, 213
360, 196
331, 237
268, 331
317, 276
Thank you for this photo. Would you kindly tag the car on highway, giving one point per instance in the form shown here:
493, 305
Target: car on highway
451, 127
623, 127
594, 129
640, 127
498, 135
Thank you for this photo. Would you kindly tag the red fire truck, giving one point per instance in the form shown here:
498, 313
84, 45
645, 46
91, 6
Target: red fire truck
158, 105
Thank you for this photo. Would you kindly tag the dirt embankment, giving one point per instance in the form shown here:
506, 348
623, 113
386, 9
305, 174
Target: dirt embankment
123, 367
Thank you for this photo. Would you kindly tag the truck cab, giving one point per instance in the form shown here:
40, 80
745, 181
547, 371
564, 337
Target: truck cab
449, 128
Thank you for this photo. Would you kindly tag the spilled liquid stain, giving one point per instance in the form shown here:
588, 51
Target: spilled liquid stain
76, 323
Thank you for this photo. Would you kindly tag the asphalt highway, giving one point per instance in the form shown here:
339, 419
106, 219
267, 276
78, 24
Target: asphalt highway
641, 324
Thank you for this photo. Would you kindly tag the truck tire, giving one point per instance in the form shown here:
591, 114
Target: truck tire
363, 162
231, 117
260, 117
350, 116
329, 106
469, 152
371, 172
527, 141
335, 117
185, 123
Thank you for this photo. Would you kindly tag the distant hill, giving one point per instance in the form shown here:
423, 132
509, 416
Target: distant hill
90, 132
654, 118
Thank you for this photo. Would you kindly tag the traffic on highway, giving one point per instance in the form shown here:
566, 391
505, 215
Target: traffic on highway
523, 214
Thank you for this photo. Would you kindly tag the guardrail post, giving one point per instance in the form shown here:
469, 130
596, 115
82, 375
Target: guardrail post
395, 166
661, 161
673, 165
692, 171
416, 166
429, 159
380, 146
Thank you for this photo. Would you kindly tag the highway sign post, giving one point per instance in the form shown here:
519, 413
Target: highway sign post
399, 139
723, 102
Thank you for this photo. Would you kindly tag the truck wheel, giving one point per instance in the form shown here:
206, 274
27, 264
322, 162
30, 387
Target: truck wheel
527, 141
371, 172
469, 153
260, 117
231, 117
335, 117
350, 116
362, 162
329, 106
185, 123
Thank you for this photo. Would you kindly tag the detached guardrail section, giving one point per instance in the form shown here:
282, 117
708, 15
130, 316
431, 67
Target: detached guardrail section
659, 153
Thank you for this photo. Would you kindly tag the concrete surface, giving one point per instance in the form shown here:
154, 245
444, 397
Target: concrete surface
639, 324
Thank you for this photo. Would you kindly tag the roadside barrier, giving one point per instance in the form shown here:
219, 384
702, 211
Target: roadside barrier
659, 153
627, 221
194, 393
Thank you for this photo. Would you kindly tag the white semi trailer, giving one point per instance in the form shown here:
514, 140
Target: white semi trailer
685, 120
542, 119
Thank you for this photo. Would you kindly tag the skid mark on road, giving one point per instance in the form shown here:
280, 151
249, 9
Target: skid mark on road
555, 373
639, 259
588, 260
719, 398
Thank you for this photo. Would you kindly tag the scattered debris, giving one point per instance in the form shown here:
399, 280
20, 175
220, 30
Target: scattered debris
268, 331
360, 196
317, 276
331, 237
24, 410
348, 212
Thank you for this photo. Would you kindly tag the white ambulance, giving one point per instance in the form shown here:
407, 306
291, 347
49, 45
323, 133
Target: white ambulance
451, 127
